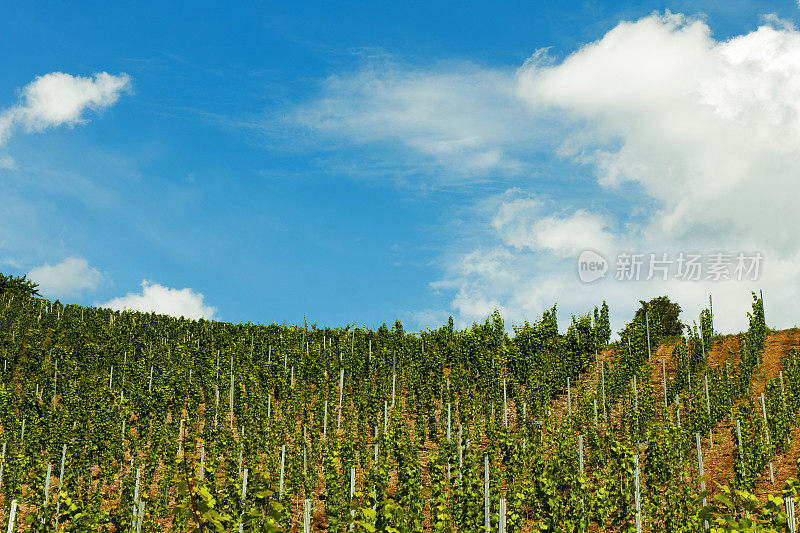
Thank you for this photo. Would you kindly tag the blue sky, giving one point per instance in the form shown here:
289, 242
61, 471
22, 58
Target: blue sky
349, 162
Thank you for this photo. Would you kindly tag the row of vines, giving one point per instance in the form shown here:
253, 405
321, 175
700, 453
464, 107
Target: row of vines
124, 421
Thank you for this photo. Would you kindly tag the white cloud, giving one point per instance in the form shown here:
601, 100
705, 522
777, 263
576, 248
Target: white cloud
70, 277
704, 135
425, 319
58, 98
521, 224
457, 116
164, 300
708, 129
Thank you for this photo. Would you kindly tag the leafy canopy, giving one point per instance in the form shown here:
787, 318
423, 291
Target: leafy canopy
19, 284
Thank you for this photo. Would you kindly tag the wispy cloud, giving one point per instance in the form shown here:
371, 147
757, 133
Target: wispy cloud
452, 121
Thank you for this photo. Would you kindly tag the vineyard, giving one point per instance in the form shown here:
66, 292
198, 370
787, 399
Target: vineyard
124, 421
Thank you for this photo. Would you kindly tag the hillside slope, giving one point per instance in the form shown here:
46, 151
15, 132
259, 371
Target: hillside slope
718, 462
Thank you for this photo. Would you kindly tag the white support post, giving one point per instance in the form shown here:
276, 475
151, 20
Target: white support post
603, 384
136, 488
216, 403
180, 439
702, 343
230, 396
708, 412
448, 421
307, 515
637, 496
460, 453
502, 516
700, 465
140, 516
700, 471
352, 491
569, 399
739, 437
325, 420
47, 485
244, 496
487, 524
341, 387
788, 502
764, 413
60, 478
12, 514
664, 378
711, 313
505, 405
283, 457
783, 399
394, 373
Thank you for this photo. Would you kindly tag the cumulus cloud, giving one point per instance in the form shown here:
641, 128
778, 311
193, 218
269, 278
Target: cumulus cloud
708, 129
522, 224
703, 135
164, 300
70, 277
58, 98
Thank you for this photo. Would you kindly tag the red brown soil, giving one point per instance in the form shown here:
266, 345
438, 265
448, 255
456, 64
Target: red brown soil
718, 462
